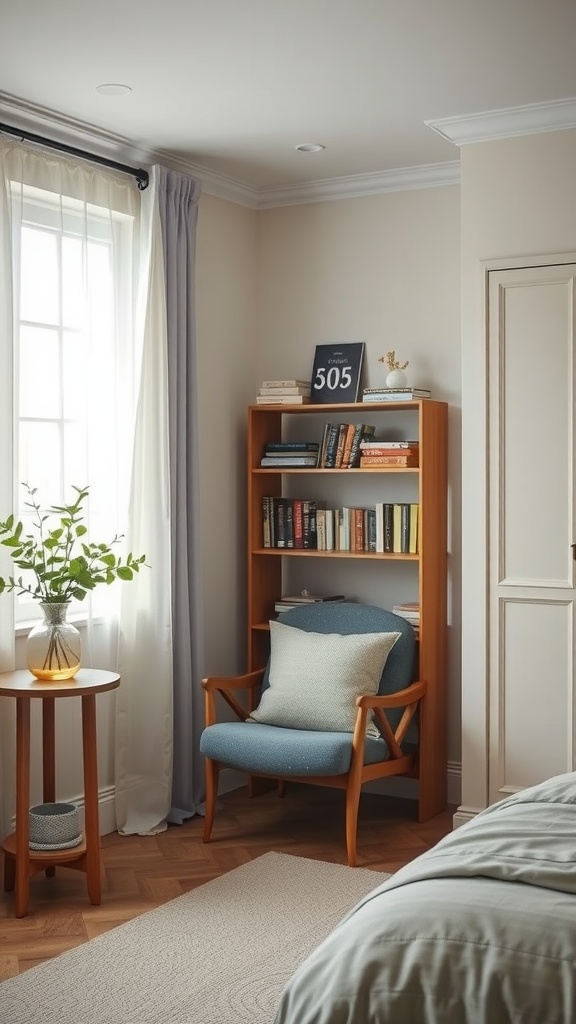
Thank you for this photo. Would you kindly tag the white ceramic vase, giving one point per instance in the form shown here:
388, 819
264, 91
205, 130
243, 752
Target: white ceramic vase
396, 379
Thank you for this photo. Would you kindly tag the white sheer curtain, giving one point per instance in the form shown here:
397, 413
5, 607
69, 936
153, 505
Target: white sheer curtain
98, 219
144, 743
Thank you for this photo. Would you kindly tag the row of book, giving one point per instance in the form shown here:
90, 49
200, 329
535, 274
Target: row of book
300, 523
343, 446
340, 444
284, 392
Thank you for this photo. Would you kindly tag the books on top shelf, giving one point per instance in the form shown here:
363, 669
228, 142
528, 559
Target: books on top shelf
282, 399
284, 392
394, 394
295, 383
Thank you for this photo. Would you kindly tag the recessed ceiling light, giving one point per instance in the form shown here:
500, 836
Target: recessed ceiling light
113, 89
309, 147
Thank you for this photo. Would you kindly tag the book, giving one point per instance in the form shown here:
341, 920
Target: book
287, 461
305, 598
410, 445
296, 390
285, 384
331, 446
336, 372
348, 445
290, 453
408, 610
395, 396
282, 399
414, 543
278, 447
393, 461
388, 527
405, 453
396, 391
298, 520
342, 433
397, 528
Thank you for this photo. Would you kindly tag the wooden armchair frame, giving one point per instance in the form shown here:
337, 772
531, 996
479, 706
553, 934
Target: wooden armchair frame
398, 763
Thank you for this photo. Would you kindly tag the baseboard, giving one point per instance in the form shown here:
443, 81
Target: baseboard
464, 815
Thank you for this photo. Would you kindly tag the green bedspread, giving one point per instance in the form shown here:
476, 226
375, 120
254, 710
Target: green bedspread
479, 930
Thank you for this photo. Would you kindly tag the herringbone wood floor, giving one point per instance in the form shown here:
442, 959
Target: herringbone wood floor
142, 872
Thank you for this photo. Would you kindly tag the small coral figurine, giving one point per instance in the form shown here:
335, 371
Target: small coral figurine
396, 377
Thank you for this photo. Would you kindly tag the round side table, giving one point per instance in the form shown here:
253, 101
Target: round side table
20, 862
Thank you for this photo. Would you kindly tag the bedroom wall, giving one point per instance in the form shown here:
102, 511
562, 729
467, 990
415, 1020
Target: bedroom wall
384, 270
517, 201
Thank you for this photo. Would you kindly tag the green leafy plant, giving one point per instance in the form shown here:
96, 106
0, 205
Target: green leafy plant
63, 563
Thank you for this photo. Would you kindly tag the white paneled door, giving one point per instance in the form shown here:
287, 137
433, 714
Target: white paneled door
532, 526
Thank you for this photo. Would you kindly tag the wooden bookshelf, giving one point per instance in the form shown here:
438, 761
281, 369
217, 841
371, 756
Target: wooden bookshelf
427, 420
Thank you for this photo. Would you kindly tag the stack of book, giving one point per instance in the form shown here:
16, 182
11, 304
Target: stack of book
296, 600
394, 394
396, 454
410, 611
287, 454
340, 447
284, 392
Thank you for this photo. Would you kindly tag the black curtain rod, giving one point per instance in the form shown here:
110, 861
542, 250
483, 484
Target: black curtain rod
142, 177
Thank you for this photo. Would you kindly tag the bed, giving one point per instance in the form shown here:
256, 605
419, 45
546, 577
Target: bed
481, 929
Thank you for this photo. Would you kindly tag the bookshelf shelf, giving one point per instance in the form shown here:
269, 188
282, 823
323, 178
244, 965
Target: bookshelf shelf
313, 553
425, 573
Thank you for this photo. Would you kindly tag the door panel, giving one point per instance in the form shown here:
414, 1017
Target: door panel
531, 578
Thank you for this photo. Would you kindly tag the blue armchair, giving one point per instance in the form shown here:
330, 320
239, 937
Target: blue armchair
374, 745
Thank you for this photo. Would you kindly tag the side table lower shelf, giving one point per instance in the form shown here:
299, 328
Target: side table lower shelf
46, 860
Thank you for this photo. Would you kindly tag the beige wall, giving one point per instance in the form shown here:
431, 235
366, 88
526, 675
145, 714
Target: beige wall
518, 203
227, 354
384, 270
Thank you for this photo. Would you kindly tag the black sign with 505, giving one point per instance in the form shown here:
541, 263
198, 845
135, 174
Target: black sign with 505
336, 372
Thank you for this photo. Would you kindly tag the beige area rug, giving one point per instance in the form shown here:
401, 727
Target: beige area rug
220, 954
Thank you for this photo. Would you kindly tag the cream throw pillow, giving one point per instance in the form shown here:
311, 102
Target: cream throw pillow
316, 677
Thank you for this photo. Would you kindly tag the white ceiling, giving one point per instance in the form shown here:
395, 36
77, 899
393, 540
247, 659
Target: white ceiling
232, 86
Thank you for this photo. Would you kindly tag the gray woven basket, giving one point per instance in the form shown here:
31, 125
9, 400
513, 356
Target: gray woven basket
54, 826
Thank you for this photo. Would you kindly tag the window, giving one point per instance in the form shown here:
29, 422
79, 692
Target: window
73, 347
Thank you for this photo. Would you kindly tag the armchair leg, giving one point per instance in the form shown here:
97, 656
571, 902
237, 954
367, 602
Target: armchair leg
212, 774
281, 787
352, 804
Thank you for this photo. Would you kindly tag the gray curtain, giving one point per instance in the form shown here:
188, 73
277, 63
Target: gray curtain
178, 198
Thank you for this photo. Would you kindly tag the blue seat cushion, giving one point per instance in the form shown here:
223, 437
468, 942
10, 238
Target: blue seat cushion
273, 750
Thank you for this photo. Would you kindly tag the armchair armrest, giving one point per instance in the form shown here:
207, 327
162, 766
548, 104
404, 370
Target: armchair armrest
408, 698
225, 686
244, 682
409, 695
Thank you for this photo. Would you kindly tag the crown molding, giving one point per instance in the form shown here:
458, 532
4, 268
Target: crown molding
86, 136
507, 122
355, 185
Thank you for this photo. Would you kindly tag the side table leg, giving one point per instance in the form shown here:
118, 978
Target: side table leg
48, 760
22, 806
92, 826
